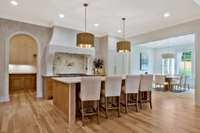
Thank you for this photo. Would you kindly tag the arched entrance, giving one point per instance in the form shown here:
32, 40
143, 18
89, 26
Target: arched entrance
22, 62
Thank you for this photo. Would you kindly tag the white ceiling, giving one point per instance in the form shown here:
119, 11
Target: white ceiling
171, 42
142, 15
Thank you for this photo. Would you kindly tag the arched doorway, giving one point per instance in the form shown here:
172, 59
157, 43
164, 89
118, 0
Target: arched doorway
22, 66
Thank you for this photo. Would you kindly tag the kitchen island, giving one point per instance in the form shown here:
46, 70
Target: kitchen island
48, 82
64, 95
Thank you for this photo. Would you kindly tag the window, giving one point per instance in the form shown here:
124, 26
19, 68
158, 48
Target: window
186, 64
168, 66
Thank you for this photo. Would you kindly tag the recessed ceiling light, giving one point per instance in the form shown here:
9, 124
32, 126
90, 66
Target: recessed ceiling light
61, 15
14, 3
96, 25
167, 14
119, 31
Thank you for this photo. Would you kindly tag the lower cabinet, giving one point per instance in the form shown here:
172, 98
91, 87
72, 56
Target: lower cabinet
22, 81
48, 87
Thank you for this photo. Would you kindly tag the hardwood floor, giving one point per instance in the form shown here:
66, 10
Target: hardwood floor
171, 113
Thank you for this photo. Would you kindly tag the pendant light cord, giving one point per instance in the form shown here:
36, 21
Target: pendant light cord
85, 5
124, 28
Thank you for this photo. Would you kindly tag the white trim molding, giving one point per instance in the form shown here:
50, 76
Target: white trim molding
4, 98
39, 66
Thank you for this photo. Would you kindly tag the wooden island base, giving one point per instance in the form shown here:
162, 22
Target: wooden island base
64, 98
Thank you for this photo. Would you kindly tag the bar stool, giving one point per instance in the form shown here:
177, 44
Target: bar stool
112, 90
131, 89
145, 95
90, 91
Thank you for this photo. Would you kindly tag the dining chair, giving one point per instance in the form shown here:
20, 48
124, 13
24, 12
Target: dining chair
145, 94
111, 91
187, 82
176, 82
131, 89
160, 81
90, 91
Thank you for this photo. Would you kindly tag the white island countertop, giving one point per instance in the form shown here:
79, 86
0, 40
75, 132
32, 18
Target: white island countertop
68, 80
74, 80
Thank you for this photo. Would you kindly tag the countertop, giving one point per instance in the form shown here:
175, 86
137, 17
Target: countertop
22, 73
74, 80
69, 75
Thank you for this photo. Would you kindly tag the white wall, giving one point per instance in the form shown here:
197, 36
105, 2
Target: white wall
115, 63
135, 59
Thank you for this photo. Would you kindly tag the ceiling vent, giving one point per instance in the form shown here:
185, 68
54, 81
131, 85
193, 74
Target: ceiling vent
197, 2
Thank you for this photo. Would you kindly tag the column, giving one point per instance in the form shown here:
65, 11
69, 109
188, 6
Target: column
197, 68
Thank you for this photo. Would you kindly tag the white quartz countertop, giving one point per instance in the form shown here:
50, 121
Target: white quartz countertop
73, 80
68, 80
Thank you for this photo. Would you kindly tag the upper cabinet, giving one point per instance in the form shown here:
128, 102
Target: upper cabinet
23, 50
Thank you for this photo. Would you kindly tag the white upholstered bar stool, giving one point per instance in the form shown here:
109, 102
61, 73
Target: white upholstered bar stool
112, 90
145, 94
131, 90
90, 91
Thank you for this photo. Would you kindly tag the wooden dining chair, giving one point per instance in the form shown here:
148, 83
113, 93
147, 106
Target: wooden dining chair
90, 91
112, 90
160, 81
176, 82
145, 94
130, 90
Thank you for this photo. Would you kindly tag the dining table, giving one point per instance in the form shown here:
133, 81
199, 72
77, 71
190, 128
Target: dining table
169, 79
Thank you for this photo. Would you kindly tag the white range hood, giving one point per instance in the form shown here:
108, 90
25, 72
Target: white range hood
71, 50
63, 40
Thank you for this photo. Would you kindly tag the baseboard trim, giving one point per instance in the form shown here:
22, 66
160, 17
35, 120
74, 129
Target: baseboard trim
39, 96
4, 98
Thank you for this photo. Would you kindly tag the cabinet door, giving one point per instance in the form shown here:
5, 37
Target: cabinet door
16, 83
48, 88
23, 50
28, 83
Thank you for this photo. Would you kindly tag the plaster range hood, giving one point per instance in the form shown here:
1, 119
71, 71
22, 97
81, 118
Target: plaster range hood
63, 40
71, 50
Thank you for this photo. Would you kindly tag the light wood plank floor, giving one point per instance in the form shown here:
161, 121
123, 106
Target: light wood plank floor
172, 113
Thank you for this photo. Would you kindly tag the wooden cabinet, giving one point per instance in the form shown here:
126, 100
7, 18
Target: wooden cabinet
48, 87
22, 81
23, 50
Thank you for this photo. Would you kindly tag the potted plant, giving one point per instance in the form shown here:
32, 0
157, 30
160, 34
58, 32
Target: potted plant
98, 66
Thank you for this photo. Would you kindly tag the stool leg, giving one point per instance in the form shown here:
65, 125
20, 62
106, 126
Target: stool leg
137, 103
106, 107
98, 112
118, 106
150, 99
126, 103
140, 99
82, 113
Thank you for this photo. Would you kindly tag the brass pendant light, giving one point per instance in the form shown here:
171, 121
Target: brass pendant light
85, 39
123, 46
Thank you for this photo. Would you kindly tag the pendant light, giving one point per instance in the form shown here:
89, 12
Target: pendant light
123, 46
85, 39
168, 54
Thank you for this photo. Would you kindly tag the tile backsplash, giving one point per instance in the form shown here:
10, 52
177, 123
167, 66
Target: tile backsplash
65, 63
